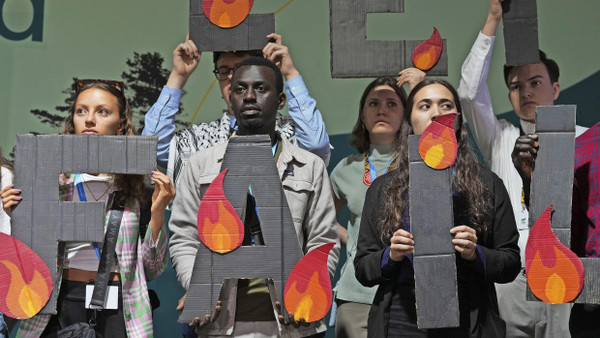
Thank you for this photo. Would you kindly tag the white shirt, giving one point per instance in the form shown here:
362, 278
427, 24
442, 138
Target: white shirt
82, 255
7, 179
495, 138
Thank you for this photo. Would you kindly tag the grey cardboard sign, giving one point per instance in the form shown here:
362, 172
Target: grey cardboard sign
251, 34
520, 32
40, 220
552, 184
353, 56
250, 163
431, 218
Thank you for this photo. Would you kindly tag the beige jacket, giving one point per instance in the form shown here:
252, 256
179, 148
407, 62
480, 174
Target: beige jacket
308, 194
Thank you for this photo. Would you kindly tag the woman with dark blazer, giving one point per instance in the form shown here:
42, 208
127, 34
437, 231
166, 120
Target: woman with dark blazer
484, 236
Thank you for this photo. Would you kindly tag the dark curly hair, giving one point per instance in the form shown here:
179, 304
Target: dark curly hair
360, 136
131, 185
551, 66
466, 182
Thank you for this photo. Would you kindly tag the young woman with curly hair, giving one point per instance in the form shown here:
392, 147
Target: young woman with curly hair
484, 236
100, 108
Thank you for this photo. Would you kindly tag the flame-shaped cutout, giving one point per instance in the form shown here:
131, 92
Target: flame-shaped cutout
437, 145
226, 13
307, 291
219, 226
25, 280
428, 52
554, 273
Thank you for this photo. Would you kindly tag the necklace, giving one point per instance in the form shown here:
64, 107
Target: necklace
92, 193
370, 172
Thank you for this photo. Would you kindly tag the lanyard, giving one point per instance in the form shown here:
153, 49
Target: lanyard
370, 171
83, 198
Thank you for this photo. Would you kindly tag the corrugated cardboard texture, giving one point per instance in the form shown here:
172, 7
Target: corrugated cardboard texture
431, 218
250, 163
41, 220
552, 177
552, 183
352, 55
520, 32
251, 34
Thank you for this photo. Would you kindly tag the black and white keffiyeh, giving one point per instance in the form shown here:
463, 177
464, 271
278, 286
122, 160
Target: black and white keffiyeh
205, 135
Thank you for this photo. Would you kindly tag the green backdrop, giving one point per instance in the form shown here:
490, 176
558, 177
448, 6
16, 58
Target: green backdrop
95, 39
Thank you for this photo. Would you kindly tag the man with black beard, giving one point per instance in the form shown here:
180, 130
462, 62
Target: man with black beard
256, 96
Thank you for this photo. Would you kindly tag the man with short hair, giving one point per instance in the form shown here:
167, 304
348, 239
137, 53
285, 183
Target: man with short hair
529, 86
304, 126
256, 96
585, 220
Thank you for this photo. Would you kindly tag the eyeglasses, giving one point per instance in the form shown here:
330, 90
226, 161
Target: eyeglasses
222, 73
79, 83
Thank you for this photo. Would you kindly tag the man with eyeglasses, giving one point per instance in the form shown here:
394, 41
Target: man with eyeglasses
304, 127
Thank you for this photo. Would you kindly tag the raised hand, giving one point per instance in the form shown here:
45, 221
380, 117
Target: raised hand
164, 191
185, 60
412, 76
280, 55
493, 18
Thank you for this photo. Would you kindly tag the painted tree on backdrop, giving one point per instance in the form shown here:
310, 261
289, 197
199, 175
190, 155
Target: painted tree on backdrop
143, 83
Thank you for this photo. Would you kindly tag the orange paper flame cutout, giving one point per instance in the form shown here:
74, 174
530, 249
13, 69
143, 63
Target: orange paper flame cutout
437, 145
226, 13
428, 52
25, 280
219, 226
554, 273
307, 291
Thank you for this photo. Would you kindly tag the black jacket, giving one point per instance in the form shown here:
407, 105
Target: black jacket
477, 295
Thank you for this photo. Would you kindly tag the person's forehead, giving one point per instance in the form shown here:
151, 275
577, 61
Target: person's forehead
383, 91
524, 72
434, 92
254, 73
97, 96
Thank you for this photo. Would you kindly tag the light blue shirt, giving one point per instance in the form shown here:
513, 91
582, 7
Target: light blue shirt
309, 126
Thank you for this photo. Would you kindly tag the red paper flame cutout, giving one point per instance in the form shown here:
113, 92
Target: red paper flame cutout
437, 145
428, 52
226, 13
219, 226
307, 291
554, 273
25, 280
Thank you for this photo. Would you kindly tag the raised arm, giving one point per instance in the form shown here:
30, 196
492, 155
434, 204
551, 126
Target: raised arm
310, 128
160, 119
473, 90
154, 246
